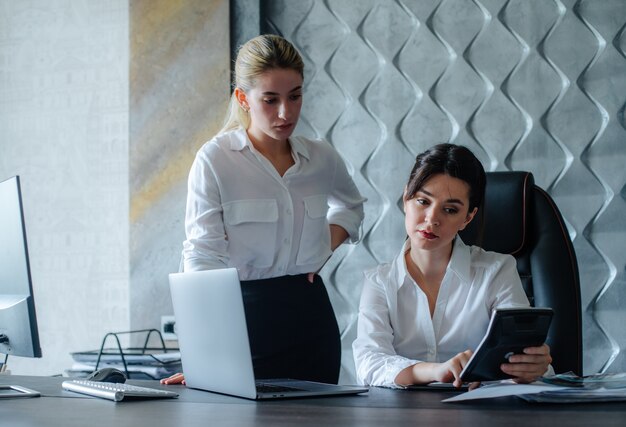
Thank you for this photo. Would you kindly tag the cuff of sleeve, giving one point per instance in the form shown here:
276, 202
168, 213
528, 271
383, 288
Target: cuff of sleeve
394, 369
549, 372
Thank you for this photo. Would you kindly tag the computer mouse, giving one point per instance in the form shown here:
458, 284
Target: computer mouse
107, 375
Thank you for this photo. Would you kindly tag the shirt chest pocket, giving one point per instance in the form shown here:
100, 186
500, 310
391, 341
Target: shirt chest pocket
251, 227
315, 240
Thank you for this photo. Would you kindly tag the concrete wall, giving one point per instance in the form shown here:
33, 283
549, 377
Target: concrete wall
64, 129
102, 108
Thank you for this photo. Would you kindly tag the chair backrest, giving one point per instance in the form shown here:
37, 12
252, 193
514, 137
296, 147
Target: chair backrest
522, 220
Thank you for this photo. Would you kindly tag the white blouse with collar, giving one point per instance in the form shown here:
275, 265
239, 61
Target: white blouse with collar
241, 213
395, 329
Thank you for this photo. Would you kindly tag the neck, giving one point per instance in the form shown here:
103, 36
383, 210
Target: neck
270, 148
278, 153
430, 263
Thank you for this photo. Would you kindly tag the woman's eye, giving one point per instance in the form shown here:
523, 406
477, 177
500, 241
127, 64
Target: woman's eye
421, 201
269, 100
451, 210
295, 97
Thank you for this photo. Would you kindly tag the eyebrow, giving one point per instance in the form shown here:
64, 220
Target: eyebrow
295, 89
455, 201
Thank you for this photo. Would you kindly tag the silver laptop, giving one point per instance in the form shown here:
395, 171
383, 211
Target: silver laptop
213, 340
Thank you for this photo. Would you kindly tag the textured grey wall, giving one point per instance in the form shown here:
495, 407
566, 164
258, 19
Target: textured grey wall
535, 85
64, 130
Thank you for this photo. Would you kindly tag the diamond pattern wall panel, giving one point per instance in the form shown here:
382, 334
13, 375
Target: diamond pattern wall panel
532, 85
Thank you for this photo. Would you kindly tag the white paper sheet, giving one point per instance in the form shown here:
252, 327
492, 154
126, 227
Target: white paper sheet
500, 389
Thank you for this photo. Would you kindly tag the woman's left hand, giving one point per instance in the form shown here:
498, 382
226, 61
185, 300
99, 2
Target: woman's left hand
527, 367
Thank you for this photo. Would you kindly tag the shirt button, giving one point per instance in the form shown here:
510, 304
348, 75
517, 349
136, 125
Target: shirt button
286, 240
288, 211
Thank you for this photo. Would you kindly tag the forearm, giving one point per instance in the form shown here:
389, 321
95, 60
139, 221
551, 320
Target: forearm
338, 235
420, 373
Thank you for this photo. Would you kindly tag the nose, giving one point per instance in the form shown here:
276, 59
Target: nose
432, 216
283, 111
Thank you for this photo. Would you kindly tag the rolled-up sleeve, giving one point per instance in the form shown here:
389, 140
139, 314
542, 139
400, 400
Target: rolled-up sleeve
345, 202
377, 363
206, 245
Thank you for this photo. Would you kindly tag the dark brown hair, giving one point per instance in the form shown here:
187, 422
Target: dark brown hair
452, 160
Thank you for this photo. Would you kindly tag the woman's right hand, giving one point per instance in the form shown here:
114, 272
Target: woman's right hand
450, 370
428, 372
174, 379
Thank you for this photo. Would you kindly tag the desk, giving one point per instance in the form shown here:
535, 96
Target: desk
380, 407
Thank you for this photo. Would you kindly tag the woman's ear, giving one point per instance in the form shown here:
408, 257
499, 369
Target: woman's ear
470, 216
242, 99
404, 200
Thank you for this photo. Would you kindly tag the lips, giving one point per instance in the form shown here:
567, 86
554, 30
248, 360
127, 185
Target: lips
428, 235
284, 127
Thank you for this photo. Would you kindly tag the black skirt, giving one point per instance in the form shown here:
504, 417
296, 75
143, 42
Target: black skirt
292, 329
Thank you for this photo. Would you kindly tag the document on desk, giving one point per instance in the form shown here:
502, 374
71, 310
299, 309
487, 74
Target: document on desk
501, 389
562, 388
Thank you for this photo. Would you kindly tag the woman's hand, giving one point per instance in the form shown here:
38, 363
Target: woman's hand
174, 379
450, 371
428, 372
338, 235
527, 367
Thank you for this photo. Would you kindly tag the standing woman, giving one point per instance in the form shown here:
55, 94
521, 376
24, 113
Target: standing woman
274, 206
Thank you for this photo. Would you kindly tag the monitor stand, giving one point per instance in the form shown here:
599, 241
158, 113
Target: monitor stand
12, 391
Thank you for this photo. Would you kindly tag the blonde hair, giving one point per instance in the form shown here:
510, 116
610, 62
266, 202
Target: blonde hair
255, 57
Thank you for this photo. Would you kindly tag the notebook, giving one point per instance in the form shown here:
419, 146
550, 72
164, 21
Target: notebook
213, 340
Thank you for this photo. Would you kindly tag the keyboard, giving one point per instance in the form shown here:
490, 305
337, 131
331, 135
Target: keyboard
116, 391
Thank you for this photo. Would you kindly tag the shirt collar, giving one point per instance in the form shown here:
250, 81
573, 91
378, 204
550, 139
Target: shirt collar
460, 260
459, 263
240, 140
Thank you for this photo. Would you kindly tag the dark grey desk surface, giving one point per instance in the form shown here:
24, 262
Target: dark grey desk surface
379, 407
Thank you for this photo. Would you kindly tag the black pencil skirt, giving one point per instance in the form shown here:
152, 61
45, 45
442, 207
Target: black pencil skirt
292, 329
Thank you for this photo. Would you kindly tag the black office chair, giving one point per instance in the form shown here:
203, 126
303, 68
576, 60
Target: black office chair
522, 220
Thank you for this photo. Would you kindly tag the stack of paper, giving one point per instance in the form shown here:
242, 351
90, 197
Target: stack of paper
591, 388
563, 388
139, 365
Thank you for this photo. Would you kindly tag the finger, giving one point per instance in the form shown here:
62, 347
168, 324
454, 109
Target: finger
530, 359
474, 385
521, 369
310, 277
174, 379
526, 371
465, 357
542, 349
455, 370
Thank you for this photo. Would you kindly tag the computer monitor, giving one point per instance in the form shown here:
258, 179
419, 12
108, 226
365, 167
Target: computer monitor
18, 322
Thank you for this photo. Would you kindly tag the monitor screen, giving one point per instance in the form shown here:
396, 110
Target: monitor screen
18, 322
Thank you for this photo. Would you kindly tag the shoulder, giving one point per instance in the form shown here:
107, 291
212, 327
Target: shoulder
480, 256
490, 260
378, 273
218, 145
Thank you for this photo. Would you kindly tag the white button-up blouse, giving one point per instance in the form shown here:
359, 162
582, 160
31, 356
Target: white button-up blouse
241, 213
395, 329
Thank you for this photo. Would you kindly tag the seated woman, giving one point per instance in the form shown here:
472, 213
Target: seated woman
421, 315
